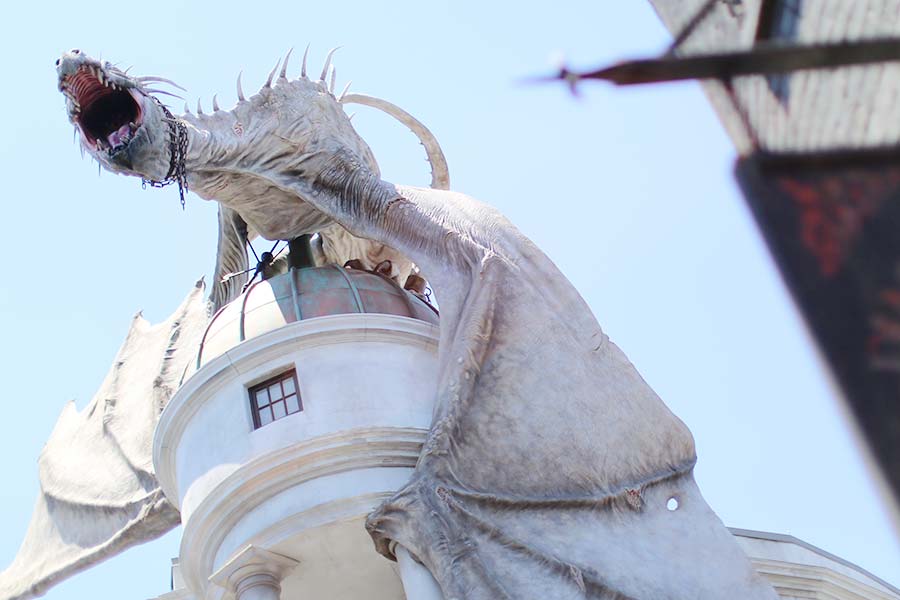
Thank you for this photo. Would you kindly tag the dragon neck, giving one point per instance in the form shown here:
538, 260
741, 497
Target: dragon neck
204, 145
332, 180
351, 193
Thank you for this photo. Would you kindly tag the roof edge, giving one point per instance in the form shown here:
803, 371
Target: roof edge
789, 539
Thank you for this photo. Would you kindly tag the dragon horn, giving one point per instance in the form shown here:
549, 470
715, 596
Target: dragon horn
440, 173
155, 91
272, 74
161, 80
199, 108
240, 92
333, 78
327, 63
303, 66
283, 74
215, 104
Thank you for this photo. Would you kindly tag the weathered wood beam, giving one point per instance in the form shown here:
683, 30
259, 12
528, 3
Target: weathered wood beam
763, 58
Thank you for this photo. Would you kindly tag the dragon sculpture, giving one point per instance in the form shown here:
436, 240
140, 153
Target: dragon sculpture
551, 470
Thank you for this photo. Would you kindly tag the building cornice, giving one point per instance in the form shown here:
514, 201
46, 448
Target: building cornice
791, 578
272, 473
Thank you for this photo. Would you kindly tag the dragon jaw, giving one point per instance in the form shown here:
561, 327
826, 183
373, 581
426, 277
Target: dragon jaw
119, 122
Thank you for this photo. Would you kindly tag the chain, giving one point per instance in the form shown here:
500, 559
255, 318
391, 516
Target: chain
177, 152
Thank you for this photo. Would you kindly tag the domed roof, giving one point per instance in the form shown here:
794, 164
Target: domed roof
303, 294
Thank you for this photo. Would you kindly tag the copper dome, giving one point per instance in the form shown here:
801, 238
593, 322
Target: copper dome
302, 294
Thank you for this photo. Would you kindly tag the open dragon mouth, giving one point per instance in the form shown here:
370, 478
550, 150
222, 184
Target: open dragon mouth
107, 114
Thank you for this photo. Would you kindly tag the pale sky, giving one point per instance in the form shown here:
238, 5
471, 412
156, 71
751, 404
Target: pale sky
629, 191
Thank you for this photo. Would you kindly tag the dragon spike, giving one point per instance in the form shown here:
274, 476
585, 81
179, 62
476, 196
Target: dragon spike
327, 63
333, 79
344, 91
303, 66
199, 108
161, 80
268, 83
187, 109
240, 92
164, 92
215, 104
283, 74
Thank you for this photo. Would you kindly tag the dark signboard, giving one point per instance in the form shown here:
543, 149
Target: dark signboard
832, 222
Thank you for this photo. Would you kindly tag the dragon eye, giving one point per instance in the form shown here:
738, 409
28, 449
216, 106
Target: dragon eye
76, 51
57, 62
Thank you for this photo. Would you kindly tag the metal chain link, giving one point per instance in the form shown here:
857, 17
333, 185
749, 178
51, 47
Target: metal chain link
177, 152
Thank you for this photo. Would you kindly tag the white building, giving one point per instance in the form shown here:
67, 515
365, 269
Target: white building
307, 408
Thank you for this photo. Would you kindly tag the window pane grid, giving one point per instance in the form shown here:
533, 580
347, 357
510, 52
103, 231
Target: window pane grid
275, 399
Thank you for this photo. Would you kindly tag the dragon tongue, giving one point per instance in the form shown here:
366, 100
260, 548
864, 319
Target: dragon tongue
119, 136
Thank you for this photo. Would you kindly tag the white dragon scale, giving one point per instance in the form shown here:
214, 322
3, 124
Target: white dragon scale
550, 462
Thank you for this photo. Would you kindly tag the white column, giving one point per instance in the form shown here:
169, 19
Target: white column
254, 574
258, 586
418, 583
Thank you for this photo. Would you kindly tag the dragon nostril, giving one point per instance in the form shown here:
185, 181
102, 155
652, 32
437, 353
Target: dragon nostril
76, 51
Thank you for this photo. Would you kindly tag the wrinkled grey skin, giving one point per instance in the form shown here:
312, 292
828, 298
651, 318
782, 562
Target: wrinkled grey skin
227, 153
550, 461
149, 148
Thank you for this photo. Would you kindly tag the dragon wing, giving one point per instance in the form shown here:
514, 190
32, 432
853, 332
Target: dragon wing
99, 494
231, 257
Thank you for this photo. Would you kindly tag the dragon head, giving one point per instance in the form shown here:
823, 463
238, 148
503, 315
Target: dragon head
267, 158
123, 126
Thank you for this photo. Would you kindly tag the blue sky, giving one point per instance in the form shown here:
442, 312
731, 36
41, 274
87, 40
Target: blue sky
629, 191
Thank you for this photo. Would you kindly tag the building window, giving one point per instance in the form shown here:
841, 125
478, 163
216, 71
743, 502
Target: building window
275, 398
779, 21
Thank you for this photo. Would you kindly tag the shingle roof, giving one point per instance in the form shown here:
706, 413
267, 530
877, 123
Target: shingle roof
849, 107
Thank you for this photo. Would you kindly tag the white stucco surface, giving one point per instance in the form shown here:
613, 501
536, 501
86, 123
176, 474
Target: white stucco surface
366, 386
